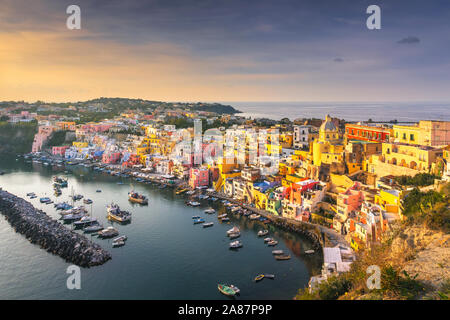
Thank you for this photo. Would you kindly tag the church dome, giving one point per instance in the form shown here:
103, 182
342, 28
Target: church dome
328, 125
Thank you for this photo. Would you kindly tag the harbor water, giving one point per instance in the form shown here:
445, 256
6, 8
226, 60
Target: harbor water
166, 256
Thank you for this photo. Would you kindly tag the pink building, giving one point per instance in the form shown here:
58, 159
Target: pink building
96, 127
59, 151
43, 133
198, 177
111, 158
350, 200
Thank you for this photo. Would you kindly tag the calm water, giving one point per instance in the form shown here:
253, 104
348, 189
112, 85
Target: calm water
349, 111
165, 257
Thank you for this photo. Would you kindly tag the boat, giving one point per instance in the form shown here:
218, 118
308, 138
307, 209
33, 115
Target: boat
195, 217
77, 197
29, 194
208, 224
45, 200
222, 216
193, 203
226, 219
137, 198
262, 233
117, 244
197, 221
272, 243
84, 221
73, 217
87, 201
259, 277
268, 239
108, 233
114, 213
226, 290
58, 192
180, 191
254, 216
210, 211
233, 230
234, 235
93, 227
275, 252
282, 257
121, 238
98, 190
269, 276
309, 251
235, 244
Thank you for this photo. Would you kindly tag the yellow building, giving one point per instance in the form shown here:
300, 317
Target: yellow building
328, 148
425, 133
80, 145
390, 200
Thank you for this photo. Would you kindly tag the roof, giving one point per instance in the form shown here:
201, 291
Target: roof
328, 125
332, 255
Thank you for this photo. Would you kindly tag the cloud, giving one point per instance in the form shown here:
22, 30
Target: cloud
409, 40
338, 60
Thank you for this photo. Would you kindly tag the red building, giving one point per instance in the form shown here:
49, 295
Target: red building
367, 133
198, 177
59, 151
111, 158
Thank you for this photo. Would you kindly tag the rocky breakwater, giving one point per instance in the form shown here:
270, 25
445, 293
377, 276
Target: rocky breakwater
48, 233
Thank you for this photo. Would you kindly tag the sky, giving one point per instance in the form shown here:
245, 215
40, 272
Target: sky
225, 50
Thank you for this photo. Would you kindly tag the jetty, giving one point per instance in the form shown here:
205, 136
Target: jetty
49, 234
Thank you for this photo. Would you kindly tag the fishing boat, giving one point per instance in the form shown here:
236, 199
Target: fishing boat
208, 224
272, 243
276, 252
108, 232
226, 290
114, 213
233, 230
85, 220
210, 211
259, 277
235, 244
137, 198
309, 251
262, 233
282, 257
72, 217
197, 221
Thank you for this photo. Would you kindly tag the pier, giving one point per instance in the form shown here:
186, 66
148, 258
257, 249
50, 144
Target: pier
49, 234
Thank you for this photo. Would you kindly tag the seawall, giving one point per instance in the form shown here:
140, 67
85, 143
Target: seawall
49, 234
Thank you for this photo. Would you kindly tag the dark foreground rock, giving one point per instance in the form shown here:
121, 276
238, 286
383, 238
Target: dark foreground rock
49, 234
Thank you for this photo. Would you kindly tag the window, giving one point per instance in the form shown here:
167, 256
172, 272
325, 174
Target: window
404, 136
411, 137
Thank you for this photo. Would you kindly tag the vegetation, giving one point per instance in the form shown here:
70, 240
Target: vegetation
419, 180
430, 208
17, 138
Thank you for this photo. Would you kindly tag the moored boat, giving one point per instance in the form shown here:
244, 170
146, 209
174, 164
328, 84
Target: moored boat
108, 232
234, 235
233, 230
309, 251
235, 244
197, 221
208, 224
259, 277
262, 233
116, 214
272, 243
210, 211
275, 252
137, 198
282, 257
226, 290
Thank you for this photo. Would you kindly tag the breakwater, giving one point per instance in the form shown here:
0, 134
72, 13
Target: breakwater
49, 234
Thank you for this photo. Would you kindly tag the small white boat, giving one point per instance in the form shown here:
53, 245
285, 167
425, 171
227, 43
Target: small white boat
235, 244
210, 211
272, 243
267, 239
208, 224
262, 233
121, 238
233, 230
234, 235
309, 251
117, 244
222, 216
275, 252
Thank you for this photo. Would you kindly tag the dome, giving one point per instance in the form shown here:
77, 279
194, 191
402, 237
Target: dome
328, 125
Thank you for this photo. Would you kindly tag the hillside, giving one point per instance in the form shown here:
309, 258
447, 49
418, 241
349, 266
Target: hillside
17, 138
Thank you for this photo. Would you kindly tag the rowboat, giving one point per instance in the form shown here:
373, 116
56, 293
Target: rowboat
208, 224
262, 233
259, 277
282, 257
201, 220
226, 290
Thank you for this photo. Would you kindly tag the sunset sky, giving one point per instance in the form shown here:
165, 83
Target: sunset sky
225, 50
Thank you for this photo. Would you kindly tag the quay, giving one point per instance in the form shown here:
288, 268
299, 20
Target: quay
49, 234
